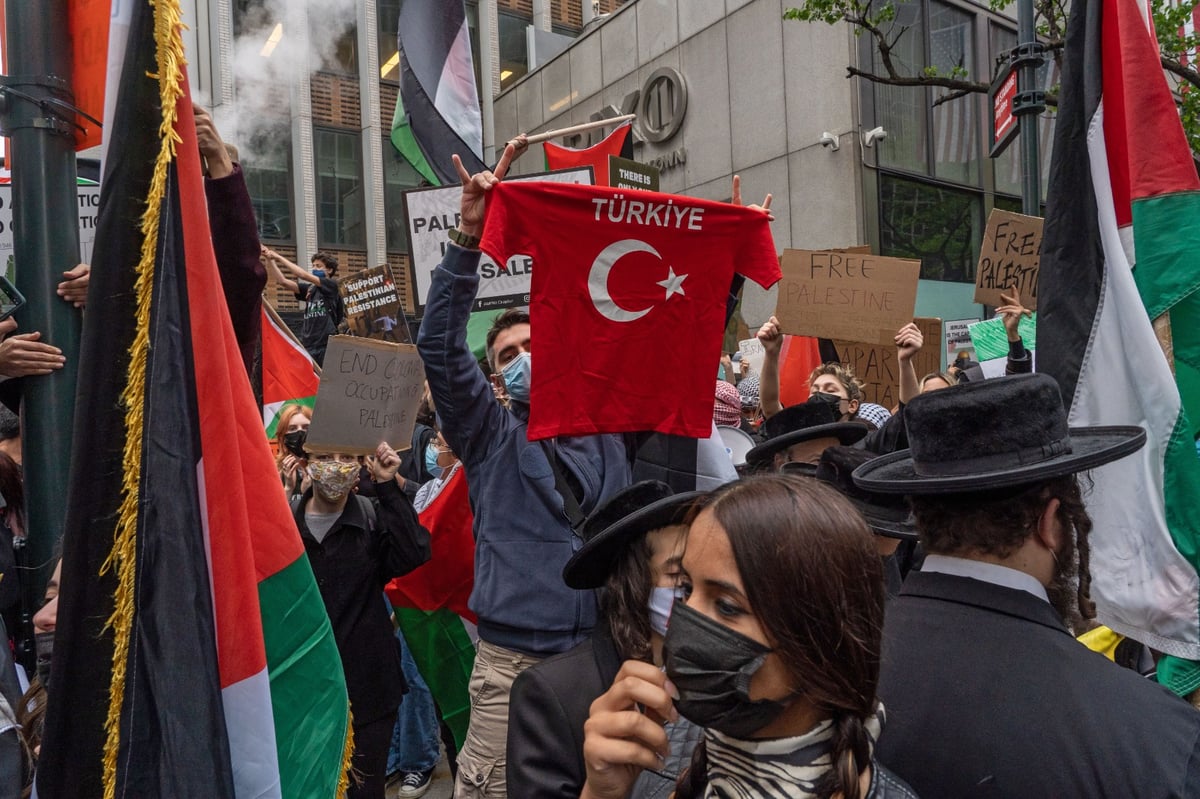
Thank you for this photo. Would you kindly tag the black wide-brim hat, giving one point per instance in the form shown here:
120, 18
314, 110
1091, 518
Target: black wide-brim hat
628, 514
999, 433
887, 514
807, 421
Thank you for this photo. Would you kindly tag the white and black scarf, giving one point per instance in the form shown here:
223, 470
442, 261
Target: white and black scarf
776, 768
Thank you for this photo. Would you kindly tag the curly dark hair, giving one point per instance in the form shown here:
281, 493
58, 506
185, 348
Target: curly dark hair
328, 261
624, 599
998, 523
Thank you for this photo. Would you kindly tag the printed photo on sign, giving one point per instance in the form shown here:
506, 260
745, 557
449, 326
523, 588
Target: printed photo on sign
431, 213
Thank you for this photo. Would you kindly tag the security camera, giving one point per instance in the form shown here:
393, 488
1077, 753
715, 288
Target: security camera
829, 140
873, 135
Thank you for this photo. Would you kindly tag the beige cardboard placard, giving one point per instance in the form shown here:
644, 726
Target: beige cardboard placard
369, 393
373, 305
846, 296
1010, 256
879, 368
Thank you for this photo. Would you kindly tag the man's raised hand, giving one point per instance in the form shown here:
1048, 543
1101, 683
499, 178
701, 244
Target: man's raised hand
737, 199
475, 187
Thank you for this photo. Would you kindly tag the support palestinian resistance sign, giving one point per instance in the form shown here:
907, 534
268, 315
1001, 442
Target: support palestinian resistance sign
431, 213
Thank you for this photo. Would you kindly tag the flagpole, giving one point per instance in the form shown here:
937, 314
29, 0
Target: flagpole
36, 116
585, 127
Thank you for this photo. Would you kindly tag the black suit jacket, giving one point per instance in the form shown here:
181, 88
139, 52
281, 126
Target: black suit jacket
548, 706
988, 695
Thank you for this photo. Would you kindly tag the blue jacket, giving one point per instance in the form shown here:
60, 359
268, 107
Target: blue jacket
522, 536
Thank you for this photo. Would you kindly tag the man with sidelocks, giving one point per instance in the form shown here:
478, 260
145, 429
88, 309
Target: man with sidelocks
987, 692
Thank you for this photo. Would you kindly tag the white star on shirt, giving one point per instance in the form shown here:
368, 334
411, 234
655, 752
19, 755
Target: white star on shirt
673, 284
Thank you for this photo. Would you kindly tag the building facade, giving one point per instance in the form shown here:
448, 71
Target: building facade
719, 87
725, 87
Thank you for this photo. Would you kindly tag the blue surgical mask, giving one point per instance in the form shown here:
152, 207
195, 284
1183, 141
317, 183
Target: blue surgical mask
516, 378
661, 600
431, 464
318, 273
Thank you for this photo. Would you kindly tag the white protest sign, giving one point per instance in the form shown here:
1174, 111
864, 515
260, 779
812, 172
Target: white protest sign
89, 204
752, 353
369, 393
958, 337
431, 213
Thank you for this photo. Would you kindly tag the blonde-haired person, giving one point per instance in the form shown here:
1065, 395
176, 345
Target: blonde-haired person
837, 384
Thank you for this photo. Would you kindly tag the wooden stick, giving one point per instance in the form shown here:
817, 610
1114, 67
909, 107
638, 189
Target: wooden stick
586, 126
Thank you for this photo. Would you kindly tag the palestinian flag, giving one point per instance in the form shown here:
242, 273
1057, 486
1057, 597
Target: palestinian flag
193, 655
1119, 252
437, 112
290, 375
619, 143
430, 603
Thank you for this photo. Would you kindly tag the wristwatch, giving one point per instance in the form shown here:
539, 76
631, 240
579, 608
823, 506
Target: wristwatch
463, 240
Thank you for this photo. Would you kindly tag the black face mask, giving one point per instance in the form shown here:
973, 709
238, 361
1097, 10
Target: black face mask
711, 666
293, 442
832, 400
43, 644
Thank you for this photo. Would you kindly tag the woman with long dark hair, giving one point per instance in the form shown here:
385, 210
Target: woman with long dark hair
774, 650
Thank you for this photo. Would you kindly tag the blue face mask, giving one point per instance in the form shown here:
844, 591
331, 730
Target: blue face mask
318, 273
516, 378
431, 464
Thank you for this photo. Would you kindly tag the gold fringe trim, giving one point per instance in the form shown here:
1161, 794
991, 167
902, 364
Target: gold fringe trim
170, 60
347, 755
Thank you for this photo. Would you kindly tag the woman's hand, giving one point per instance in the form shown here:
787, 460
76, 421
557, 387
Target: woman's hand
624, 733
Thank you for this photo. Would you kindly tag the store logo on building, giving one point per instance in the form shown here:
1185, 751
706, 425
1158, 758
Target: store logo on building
660, 106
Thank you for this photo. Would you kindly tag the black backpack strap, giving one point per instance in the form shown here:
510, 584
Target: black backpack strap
574, 513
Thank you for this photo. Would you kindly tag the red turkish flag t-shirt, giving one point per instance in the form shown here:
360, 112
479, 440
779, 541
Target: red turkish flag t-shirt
628, 300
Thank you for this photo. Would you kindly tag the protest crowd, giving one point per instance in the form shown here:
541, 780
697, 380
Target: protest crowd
586, 581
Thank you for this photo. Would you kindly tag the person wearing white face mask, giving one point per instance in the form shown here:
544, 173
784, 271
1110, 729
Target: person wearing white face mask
355, 546
632, 549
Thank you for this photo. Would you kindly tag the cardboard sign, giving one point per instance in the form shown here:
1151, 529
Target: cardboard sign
879, 368
846, 296
1011, 253
89, 205
369, 393
752, 353
624, 173
431, 213
958, 337
373, 306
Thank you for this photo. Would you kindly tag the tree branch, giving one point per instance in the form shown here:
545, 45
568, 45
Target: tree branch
945, 98
954, 84
1173, 66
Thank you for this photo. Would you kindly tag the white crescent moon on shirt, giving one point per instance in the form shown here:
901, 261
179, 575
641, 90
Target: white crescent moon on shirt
598, 279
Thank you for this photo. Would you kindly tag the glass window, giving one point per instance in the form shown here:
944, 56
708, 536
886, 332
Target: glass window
266, 154
340, 53
938, 225
339, 188
902, 110
514, 54
387, 12
956, 122
398, 177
